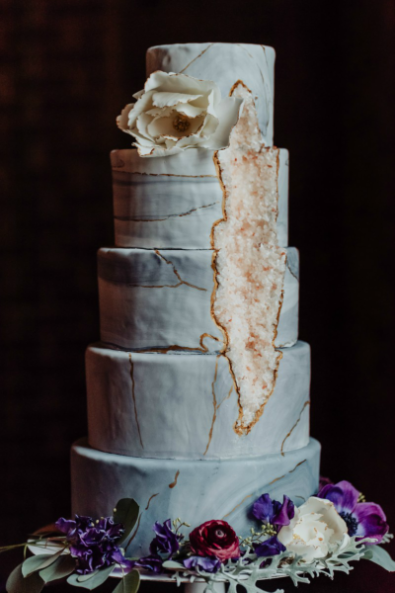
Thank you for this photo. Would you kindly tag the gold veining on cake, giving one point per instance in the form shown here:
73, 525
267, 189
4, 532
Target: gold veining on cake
139, 519
196, 58
290, 472
176, 348
168, 262
134, 399
149, 500
306, 403
132, 219
237, 506
173, 484
215, 405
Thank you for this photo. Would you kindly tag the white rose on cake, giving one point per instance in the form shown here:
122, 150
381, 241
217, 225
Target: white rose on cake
175, 112
316, 530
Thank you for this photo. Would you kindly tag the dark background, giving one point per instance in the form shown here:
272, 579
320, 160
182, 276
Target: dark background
67, 68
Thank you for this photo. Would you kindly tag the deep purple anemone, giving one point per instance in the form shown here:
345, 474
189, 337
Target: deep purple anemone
93, 543
166, 541
272, 511
363, 519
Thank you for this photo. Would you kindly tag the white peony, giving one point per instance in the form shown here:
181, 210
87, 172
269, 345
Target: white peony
316, 530
175, 112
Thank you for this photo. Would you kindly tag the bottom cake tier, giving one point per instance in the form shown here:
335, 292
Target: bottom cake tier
195, 491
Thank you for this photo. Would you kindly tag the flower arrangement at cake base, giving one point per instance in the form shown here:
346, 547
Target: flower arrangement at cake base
326, 534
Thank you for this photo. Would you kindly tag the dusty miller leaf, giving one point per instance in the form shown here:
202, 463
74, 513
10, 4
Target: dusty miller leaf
379, 556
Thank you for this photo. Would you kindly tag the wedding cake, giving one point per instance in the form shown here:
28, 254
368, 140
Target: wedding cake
198, 392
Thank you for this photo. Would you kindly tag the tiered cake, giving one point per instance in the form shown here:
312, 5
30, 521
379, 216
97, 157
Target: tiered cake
198, 393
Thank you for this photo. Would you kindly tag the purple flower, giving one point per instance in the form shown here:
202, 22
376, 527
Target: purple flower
270, 547
323, 482
202, 562
93, 543
153, 562
272, 511
166, 541
363, 519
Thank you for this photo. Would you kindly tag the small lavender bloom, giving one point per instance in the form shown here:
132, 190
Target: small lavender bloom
166, 541
270, 547
363, 519
272, 511
204, 563
93, 543
153, 562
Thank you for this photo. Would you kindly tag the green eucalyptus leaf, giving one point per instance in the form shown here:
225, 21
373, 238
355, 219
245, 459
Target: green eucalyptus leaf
62, 567
129, 584
380, 556
17, 583
91, 581
126, 512
36, 563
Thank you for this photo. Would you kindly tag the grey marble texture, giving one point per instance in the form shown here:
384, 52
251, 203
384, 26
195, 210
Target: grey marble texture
196, 491
173, 202
153, 299
225, 64
181, 405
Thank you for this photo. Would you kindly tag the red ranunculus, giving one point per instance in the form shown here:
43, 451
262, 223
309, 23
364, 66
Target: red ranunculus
215, 538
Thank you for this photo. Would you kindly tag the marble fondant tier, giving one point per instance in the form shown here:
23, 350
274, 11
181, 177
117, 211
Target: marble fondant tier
196, 491
181, 405
224, 63
153, 299
173, 202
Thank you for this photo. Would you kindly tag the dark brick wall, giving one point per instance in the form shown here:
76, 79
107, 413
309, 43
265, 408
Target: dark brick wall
66, 69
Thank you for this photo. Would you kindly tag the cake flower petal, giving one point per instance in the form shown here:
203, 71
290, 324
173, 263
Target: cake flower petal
272, 511
215, 539
316, 530
175, 112
363, 519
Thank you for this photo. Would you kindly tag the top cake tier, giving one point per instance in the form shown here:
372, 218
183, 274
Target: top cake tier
224, 63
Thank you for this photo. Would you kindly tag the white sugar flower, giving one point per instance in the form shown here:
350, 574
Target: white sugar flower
175, 112
316, 530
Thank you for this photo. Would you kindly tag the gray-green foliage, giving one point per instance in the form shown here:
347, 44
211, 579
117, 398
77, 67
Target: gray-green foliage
246, 572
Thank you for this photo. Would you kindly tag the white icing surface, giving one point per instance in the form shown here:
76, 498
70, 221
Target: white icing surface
193, 490
224, 63
160, 299
173, 202
183, 405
